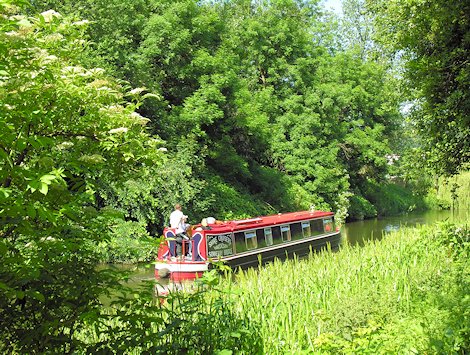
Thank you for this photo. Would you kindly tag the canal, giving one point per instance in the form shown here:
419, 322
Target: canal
360, 231
356, 233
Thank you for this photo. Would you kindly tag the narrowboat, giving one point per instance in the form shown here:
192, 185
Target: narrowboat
244, 243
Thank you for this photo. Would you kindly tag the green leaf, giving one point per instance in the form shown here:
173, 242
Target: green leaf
224, 352
47, 179
4, 192
43, 188
38, 296
33, 186
34, 143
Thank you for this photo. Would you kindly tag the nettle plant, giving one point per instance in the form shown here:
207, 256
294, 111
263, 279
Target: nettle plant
63, 128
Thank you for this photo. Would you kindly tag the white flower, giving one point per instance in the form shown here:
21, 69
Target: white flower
49, 15
140, 119
137, 91
81, 23
162, 149
118, 130
55, 37
64, 145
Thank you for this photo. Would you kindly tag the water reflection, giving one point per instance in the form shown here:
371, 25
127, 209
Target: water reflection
360, 231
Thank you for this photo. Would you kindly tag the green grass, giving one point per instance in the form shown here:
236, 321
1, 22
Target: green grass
405, 294
455, 191
408, 293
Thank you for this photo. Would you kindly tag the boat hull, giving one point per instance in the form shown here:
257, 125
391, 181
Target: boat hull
180, 270
285, 250
189, 270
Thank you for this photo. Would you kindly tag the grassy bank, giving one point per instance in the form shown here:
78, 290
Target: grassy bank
452, 192
405, 294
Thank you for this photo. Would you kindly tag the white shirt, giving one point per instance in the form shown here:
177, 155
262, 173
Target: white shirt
176, 221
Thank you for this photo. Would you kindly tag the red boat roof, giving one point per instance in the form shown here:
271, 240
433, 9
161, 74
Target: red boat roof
265, 221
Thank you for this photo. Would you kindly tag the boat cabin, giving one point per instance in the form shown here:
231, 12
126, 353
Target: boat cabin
241, 243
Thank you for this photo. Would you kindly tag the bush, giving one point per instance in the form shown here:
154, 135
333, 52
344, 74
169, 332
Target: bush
392, 199
360, 208
197, 320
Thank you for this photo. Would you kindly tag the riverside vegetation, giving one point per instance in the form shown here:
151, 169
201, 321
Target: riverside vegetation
407, 293
112, 111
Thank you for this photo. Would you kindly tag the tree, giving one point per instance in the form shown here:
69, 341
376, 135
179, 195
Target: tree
63, 129
432, 39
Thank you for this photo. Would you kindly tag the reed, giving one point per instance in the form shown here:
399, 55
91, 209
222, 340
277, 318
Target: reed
455, 190
407, 293
390, 296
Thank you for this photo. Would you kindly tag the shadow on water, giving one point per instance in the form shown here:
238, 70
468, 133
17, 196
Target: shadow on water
360, 231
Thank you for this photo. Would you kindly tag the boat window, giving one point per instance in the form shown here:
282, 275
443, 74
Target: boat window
276, 234
285, 232
260, 238
306, 230
296, 231
219, 245
268, 234
240, 244
264, 237
251, 240
316, 227
328, 225
245, 241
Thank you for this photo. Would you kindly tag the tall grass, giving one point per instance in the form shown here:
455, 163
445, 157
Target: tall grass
408, 293
398, 295
455, 191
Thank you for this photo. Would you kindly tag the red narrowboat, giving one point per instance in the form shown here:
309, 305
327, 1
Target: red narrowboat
243, 243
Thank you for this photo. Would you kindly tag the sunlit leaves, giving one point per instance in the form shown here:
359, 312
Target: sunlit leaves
431, 39
57, 146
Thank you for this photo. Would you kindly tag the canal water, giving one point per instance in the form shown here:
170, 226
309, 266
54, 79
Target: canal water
359, 231
356, 233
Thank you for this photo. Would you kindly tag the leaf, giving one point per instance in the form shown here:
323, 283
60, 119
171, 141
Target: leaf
47, 179
224, 352
38, 296
33, 186
5, 192
155, 96
43, 188
34, 143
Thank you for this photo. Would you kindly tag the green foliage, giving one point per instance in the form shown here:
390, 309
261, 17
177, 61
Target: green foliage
392, 199
453, 191
129, 243
360, 208
432, 39
63, 129
197, 319
407, 293
258, 91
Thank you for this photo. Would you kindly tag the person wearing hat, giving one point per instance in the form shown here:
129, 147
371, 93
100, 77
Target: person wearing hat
178, 222
205, 225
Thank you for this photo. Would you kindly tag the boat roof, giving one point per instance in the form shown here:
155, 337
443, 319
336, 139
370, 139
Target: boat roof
265, 221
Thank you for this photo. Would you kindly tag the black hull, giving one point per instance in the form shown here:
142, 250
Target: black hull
300, 248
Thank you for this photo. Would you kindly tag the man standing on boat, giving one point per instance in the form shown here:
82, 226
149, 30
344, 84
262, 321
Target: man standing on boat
178, 222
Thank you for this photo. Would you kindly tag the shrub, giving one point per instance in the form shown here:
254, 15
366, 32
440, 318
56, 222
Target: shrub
360, 208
